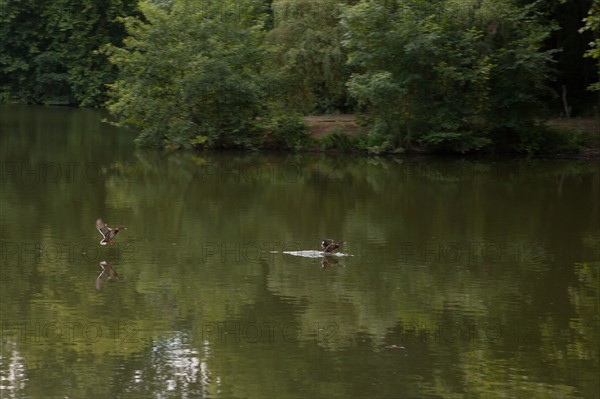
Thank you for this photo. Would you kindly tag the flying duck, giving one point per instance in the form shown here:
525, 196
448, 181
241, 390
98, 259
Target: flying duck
107, 233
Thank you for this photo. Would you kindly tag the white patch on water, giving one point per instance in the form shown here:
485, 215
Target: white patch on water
313, 253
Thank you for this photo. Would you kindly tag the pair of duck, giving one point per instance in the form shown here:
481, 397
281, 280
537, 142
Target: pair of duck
327, 245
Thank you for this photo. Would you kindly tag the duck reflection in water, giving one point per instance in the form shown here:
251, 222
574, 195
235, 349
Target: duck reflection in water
108, 273
329, 262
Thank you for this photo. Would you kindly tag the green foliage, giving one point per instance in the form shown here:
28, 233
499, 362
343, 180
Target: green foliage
286, 132
455, 141
308, 57
48, 49
540, 139
592, 23
190, 70
449, 75
338, 140
454, 74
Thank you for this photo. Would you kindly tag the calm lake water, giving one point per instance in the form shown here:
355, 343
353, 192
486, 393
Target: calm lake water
459, 278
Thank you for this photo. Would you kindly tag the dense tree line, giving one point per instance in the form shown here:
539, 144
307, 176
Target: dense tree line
48, 49
453, 75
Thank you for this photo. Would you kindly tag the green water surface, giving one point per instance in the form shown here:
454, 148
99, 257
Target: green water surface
462, 278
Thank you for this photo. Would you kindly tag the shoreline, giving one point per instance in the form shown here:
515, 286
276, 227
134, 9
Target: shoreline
321, 126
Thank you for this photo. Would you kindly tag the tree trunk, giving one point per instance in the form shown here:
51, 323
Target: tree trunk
566, 106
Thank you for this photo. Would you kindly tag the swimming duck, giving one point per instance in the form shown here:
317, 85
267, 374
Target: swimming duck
107, 233
330, 246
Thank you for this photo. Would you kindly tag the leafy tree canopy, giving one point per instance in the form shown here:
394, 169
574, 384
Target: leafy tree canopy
48, 49
308, 56
191, 73
451, 74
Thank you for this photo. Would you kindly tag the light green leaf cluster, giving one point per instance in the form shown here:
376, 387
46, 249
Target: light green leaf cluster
191, 69
592, 23
451, 74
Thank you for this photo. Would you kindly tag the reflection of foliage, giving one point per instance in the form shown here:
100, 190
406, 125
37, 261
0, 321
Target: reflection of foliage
191, 216
584, 328
500, 379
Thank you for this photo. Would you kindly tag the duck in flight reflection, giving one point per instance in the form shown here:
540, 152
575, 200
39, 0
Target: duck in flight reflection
107, 233
330, 246
108, 273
